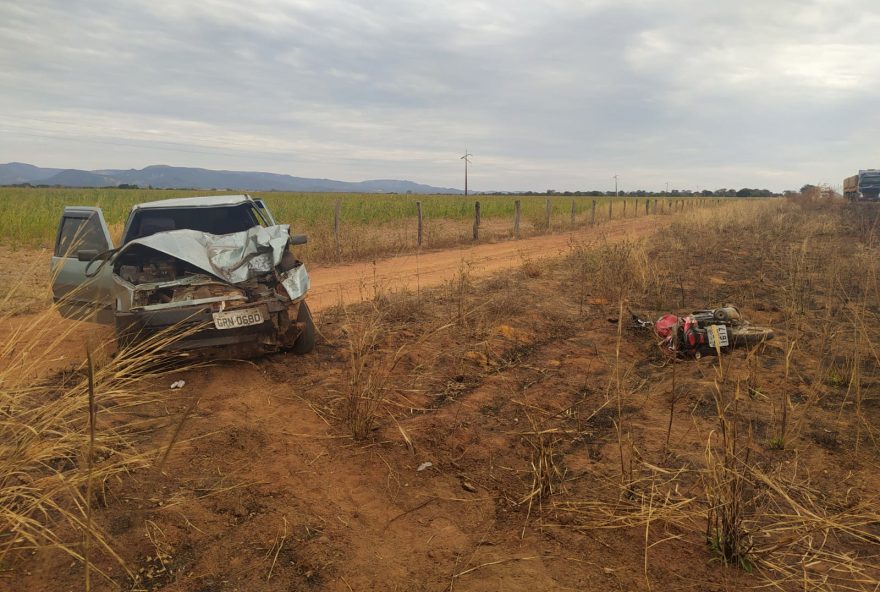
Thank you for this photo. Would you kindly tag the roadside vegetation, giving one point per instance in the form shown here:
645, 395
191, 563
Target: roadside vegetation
67, 439
370, 225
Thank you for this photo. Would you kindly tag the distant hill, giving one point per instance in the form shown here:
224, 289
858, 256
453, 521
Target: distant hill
77, 178
170, 177
19, 172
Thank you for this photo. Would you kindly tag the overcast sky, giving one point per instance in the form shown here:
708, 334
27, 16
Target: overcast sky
559, 94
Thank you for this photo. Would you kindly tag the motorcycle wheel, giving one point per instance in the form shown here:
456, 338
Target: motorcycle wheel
745, 335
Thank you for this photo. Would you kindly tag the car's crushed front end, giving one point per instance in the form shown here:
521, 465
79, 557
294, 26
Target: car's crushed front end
240, 289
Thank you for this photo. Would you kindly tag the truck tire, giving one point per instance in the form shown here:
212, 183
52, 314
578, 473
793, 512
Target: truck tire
305, 343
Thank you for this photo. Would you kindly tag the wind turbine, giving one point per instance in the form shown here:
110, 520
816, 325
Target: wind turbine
466, 160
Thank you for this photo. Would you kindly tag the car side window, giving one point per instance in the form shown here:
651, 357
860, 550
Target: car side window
79, 234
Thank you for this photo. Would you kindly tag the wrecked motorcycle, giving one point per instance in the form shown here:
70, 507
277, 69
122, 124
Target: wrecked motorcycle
704, 331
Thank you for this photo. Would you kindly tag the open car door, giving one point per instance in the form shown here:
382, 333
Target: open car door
82, 238
264, 210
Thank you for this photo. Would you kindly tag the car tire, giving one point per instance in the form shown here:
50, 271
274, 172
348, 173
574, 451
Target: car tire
126, 333
305, 342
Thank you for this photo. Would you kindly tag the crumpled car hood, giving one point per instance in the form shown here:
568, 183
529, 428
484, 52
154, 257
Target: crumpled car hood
235, 257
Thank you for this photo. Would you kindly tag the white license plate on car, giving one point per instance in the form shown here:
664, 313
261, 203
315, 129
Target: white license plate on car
233, 319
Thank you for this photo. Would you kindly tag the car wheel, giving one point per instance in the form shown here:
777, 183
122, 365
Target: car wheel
305, 342
126, 333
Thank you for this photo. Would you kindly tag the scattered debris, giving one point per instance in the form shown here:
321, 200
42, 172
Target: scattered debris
424, 466
178, 384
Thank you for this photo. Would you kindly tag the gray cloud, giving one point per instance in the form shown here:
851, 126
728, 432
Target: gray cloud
545, 94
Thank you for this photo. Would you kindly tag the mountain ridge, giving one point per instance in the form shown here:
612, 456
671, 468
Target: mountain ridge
162, 176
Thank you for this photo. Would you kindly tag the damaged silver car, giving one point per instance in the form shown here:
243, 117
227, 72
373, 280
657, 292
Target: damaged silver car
217, 265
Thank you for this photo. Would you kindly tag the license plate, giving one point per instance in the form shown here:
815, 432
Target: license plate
233, 319
722, 340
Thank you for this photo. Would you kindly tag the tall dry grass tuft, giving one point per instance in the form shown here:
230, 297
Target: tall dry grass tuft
369, 370
371, 366
548, 477
63, 435
728, 496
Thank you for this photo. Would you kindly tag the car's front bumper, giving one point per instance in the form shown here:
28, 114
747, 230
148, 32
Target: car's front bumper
191, 328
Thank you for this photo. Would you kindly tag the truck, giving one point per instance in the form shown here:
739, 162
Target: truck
863, 186
217, 271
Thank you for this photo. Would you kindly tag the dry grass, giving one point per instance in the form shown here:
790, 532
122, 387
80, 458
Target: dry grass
63, 437
763, 517
369, 371
370, 367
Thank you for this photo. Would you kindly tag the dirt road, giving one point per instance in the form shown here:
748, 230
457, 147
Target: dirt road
348, 284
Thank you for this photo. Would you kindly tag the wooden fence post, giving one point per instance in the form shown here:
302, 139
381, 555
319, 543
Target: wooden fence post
573, 212
476, 221
624, 209
336, 215
655, 205
419, 211
516, 211
549, 212
647, 205
593, 214
610, 206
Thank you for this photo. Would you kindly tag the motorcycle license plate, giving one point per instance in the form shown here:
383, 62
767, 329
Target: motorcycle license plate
721, 331
233, 319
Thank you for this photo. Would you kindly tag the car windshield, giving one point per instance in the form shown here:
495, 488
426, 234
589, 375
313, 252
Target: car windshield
215, 220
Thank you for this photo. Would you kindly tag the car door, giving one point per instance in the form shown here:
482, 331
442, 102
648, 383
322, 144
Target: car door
82, 236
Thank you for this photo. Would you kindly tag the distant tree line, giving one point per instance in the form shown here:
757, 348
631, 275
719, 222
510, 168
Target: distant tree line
724, 192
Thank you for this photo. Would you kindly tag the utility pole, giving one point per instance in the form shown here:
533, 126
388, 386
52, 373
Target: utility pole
466, 160
667, 187
616, 194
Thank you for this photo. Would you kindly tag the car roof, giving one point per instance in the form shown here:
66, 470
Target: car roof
206, 201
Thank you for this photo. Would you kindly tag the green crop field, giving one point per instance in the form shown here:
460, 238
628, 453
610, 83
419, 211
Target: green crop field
29, 216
